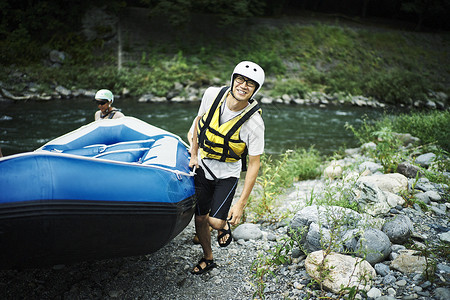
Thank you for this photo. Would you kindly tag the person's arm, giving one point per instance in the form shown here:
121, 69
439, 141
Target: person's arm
237, 210
194, 146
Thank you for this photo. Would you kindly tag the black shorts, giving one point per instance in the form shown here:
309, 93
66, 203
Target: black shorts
214, 197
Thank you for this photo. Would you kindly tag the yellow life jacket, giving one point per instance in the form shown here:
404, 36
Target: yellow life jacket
221, 141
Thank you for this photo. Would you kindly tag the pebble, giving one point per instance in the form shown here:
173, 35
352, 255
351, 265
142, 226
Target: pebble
401, 282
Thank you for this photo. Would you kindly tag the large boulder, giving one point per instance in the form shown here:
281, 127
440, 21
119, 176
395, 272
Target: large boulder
371, 198
377, 194
393, 183
341, 271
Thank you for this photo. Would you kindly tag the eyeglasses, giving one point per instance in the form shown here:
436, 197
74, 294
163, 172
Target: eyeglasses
241, 79
100, 102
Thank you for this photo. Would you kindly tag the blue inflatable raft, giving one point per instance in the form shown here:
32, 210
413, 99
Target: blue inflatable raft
109, 189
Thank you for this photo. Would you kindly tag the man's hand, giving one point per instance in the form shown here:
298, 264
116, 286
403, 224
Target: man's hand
235, 214
193, 162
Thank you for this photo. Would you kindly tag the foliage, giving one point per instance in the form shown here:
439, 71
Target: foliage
397, 86
425, 9
388, 149
392, 66
262, 266
266, 264
290, 86
277, 174
388, 145
338, 193
429, 127
179, 13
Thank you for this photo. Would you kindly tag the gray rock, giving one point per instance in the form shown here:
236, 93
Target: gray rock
407, 169
146, 98
63, 91
316, 237
437, 210
445, 236
389, 279
371, 166
374, 245
399, 229
369, 146
444, 268
386, 298
396, 248
425, 185
382, 269
247, 232
422, 197
401, 282
433, 196
374, 293
406, 138
56, 56
425, 160
442, 293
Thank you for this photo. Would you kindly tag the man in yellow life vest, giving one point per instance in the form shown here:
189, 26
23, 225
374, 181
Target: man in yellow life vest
229, 126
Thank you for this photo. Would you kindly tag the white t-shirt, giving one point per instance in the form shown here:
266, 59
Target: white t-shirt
252, 134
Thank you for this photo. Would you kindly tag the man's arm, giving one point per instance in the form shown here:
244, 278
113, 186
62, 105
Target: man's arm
194, 146
237, 210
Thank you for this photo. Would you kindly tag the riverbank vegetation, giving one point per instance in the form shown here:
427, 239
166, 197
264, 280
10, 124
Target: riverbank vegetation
313, 52
278, 174
433, 130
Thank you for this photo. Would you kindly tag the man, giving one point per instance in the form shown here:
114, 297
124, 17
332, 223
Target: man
104, 99
228, 125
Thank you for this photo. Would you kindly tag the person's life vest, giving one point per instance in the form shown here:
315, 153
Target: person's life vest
221, 141
110, 114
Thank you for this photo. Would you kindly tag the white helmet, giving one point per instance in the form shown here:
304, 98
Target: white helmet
250, 70
105, 95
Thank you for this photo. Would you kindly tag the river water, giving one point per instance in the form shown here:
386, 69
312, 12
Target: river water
25, 126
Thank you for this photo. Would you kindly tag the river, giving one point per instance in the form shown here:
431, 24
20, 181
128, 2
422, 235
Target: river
25, 126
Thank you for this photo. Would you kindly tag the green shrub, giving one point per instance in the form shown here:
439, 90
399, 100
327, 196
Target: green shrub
291, 86
429, 127
397, 86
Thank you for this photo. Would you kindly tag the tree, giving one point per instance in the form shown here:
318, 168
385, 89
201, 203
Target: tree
178, 12
425, 9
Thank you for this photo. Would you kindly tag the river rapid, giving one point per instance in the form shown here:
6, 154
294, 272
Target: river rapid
27, 125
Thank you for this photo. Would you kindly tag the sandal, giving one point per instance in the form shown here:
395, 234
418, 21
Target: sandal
209, 265
224, 232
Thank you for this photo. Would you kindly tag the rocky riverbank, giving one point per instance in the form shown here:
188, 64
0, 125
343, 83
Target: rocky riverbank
191, 92
396, 273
